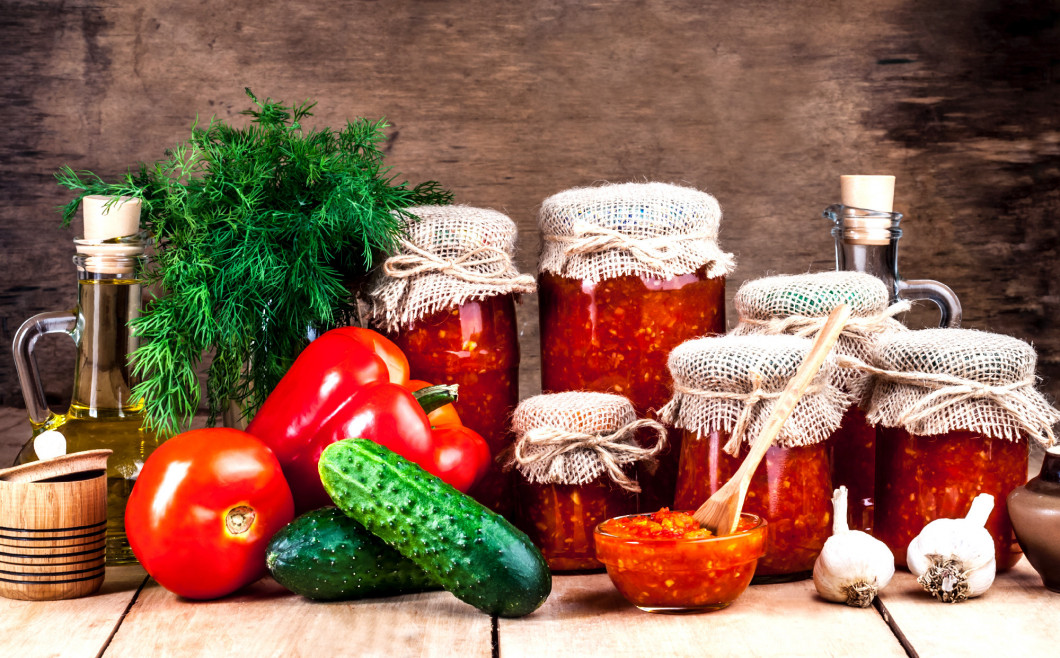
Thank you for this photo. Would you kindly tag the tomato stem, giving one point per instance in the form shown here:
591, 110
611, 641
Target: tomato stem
239, 519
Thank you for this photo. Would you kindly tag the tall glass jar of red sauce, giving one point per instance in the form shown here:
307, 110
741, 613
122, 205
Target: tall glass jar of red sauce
447, 299
627, 273
575, 455
955, 410
728, 385
799, 305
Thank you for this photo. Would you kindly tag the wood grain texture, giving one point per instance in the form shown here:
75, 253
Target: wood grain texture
586, 614
75, 627
1015, 617
266, 620
763, 104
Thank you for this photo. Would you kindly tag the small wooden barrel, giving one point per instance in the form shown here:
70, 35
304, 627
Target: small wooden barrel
53, 527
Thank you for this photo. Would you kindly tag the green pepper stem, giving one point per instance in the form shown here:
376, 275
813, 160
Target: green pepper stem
436, 397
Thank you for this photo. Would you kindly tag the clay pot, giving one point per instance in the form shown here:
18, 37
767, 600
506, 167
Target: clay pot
1035, 512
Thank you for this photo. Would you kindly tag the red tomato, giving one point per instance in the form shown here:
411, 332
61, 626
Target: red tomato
203, 509
461, 455
442, 415
384, 348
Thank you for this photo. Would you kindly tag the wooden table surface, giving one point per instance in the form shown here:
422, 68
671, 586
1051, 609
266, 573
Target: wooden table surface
584, 616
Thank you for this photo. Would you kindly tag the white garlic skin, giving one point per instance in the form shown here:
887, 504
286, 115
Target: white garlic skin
849, 561
853, 566
965, 544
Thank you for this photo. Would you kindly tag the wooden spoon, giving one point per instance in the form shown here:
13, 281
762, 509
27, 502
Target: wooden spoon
721, 513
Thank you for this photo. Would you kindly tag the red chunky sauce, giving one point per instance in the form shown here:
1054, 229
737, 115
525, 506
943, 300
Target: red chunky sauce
614, 336
923, 478
560, 518
792, 490
853, 457
664, 561
476, 346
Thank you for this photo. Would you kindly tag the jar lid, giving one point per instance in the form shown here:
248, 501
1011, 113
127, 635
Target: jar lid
650, 229
935, 381
811, 295
449, 255
577, 437
799, 304
732, 383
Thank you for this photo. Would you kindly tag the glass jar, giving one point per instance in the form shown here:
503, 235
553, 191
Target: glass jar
852, 454
791, 489
615, 336
923, 478
476, 346
560, 518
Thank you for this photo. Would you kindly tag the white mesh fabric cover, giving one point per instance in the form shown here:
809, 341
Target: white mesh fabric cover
681, 221
573, 411
978, 356
815, 295
729, 365
449, 233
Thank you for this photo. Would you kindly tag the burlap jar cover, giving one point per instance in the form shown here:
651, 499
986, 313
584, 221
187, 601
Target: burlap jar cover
799, 305
935, 381
647, 229
731, 383
451, 255
577, 437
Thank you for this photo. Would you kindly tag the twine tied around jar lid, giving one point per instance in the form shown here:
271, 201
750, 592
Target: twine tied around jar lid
731, 384
451, 255
577, 436
799, 305
935, 381
646, 229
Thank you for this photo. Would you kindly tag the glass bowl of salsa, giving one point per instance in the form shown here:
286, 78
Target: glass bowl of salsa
665, 562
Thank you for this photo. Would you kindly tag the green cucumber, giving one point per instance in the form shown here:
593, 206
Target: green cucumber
472, 552
327, 556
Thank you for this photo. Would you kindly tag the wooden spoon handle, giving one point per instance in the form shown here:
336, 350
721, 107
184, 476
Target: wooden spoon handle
811, 365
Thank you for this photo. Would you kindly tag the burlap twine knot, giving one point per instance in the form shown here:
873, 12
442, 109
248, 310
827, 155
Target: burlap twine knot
481, 265
949, 391
657, 252
451, 255
541, 453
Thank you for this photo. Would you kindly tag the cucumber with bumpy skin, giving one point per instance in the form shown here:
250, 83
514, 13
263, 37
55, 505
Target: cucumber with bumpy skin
472, 552
327, 556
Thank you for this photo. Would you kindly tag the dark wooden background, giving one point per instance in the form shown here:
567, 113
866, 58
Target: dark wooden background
763, 104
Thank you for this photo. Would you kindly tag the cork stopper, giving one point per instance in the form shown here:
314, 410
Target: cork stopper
869, 200
868, 192
112, 234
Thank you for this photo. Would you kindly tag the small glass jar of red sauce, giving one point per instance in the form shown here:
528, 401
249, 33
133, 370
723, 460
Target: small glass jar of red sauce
627, 273
665, 562
955, 410
575, 455
730, 384
799, 304
447, 299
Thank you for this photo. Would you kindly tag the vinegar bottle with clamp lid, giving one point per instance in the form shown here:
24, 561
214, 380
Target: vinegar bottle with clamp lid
103, 413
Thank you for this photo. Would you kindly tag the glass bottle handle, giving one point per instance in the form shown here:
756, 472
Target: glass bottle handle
941, 294
54, 322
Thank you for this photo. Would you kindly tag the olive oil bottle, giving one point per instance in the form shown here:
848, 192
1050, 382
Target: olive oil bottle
103, 412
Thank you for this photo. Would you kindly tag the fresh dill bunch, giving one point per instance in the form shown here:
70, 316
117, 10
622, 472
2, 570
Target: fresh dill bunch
259, 233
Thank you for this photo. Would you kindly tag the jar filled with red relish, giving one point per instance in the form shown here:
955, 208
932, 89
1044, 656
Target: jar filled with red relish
575, 455
955, 410
627, 273
724, 390
447, 299
799, 305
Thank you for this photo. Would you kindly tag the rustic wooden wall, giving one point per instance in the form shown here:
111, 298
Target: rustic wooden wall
763, 104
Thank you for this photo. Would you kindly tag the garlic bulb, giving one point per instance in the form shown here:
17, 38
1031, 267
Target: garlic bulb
954, 558
853, 566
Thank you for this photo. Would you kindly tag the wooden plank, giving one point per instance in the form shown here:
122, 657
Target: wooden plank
266, 620
1016, 617
586, 615
75, 627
